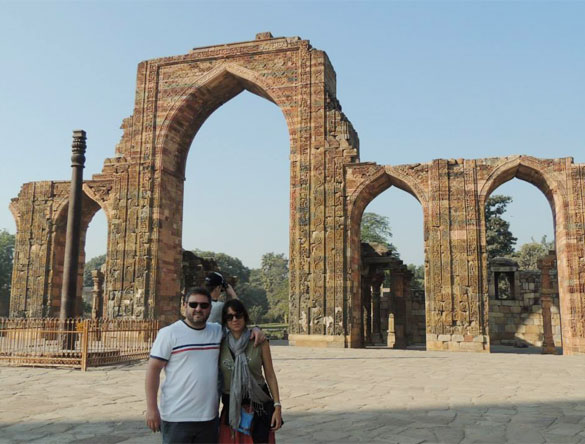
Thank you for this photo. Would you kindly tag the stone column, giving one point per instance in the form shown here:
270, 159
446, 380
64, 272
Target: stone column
398, 308
376, 283
367, 308
97, 303
545, 265
71, 263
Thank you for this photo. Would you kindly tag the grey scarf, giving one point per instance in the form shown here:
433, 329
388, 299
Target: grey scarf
243, 384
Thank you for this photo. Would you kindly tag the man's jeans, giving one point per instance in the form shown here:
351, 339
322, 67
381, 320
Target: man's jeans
190, 432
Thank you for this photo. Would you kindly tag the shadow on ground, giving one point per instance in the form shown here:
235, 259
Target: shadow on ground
561, 422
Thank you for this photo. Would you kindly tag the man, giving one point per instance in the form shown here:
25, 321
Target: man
188, 350
215, 283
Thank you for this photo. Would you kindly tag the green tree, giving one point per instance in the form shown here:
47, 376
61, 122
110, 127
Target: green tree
253, 295
375, 228
499, 239
528, 254
229, 265
418, 278
274, 275
94, 263
6, 262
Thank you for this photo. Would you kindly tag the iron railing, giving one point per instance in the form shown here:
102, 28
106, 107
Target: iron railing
77, 343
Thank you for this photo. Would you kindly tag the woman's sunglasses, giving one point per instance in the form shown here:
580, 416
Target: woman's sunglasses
232, 316
203, 305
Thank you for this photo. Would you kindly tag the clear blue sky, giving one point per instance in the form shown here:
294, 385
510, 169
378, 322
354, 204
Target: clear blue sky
419, 80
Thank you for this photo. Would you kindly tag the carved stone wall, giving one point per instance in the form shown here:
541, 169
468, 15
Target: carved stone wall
40, 211
174, 96
515, 316
141, 191
453, 194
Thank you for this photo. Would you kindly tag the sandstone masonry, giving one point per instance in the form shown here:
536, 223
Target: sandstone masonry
140, 190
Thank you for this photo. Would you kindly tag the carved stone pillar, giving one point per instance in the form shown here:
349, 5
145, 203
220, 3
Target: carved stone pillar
376, 283
391, 338
545, 265
398, 308
367, 308
97, 303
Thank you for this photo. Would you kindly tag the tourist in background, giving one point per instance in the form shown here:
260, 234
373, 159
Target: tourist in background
244, 388
216, 283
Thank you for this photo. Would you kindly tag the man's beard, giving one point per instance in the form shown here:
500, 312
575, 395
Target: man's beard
198, 322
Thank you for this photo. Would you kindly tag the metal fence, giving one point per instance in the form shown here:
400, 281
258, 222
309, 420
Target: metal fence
77, 343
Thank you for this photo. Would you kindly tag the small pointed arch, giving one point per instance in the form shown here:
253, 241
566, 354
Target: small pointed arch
199, 100
99, 194
375, 182
90, 207
529, 169
538, 173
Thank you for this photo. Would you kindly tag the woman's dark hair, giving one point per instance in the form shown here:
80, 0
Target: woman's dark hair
237, 306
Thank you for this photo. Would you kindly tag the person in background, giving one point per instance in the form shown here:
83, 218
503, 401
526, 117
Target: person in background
215, 283
243, 385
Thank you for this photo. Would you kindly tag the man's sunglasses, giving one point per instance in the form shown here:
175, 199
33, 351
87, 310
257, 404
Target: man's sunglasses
232, 316
203, 305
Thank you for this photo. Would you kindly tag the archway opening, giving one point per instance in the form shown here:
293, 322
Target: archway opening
97, 246
93, 267
236, 206
392, 272
523, 287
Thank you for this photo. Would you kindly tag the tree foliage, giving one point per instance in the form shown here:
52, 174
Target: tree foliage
229, 265
263, 291
6, 262
253, 295
528, 254
94, 263
375, 228
418, 278
499, 239
274, 275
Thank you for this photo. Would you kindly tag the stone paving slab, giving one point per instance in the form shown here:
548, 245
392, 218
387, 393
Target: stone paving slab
329, 396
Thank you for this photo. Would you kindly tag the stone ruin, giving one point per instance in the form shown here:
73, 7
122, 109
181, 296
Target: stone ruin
140, 190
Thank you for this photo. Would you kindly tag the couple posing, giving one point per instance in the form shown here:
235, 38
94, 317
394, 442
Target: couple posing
192, 351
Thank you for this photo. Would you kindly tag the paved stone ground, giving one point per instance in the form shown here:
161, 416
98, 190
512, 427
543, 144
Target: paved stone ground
329, 396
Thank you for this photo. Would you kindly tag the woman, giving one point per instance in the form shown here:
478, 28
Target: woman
243, 386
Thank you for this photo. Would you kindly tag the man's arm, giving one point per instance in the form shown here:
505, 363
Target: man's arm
258, 335
153, 370
230, 292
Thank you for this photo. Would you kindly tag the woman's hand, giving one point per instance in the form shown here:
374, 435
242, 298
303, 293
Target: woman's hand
276, 418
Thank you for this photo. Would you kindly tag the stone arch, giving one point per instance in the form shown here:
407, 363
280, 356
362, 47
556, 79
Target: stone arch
196, 102
534, 171
179, 126
530, 170
16, 215
372, 186
90, 207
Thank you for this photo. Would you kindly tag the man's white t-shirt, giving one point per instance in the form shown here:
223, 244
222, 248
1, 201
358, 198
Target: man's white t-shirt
189, 391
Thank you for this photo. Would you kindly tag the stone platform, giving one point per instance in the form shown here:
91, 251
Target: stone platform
329, 395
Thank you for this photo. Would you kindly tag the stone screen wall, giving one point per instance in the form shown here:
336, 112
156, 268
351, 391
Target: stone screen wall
141, 191
517, 319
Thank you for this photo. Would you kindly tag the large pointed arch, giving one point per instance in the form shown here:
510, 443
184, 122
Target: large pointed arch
196, 102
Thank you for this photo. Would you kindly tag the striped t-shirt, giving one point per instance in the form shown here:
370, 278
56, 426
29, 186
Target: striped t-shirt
189, 391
